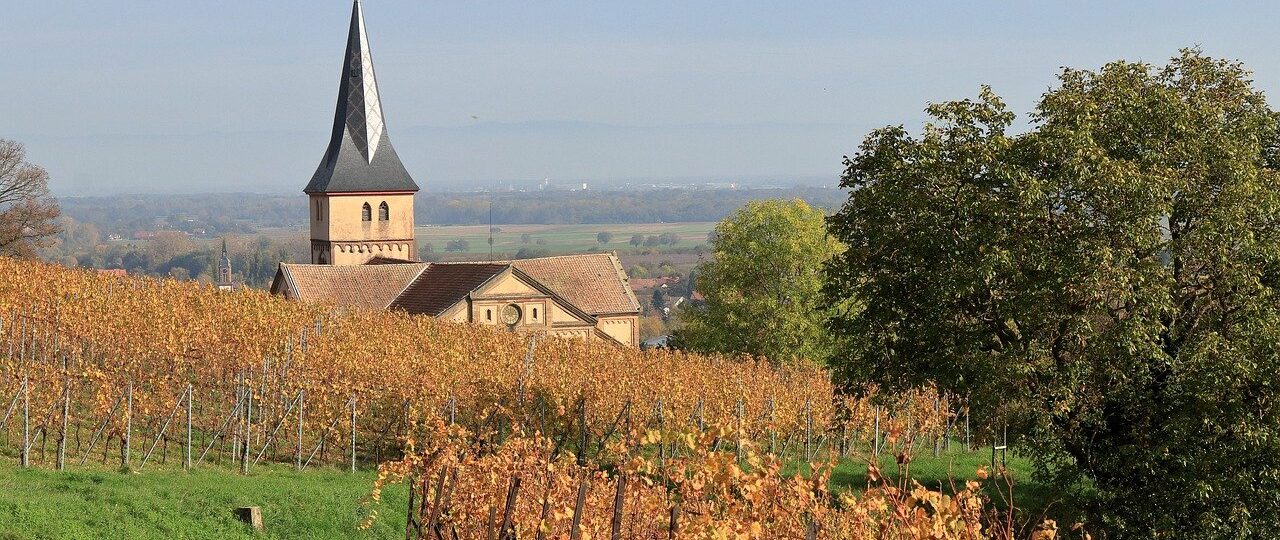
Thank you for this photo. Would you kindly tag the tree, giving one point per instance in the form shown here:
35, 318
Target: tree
1106, 281
459, 245
763, 286
659, 299
525, 238
531, 253
28, 213
637, 240
604, 237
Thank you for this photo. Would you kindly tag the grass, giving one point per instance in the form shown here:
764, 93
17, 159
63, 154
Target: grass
165, 502
1032, 499
560, 239
170, 503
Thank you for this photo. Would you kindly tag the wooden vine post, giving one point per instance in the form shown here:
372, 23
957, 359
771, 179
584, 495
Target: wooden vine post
507, 530
575, 531
619, 501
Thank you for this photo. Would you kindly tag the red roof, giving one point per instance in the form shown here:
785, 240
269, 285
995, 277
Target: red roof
443, 285
594, 283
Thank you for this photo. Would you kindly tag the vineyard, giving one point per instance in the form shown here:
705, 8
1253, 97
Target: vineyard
113, 370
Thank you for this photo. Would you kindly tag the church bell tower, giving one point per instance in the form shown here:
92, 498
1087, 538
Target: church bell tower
361, 196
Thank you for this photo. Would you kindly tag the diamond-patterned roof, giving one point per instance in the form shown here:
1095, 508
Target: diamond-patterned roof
359, 156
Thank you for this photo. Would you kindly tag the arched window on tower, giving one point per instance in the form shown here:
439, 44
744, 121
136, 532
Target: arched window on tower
319, 216
366, 213
384, 212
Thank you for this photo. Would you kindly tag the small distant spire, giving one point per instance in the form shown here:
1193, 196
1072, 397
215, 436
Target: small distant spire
223, 279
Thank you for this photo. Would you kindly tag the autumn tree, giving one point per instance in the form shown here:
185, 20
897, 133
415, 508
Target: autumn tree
763, 285
1106, 281
28, 213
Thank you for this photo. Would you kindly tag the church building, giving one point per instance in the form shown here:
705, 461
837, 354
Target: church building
364, 251
223, 281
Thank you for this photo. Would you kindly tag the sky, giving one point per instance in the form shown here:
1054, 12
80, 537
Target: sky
196, 97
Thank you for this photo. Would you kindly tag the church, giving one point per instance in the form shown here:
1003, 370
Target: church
364, 253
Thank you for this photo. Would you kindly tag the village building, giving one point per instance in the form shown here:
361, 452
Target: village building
224, 280
364, 251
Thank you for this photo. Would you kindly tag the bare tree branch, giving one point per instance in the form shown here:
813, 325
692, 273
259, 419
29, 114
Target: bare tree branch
28, 212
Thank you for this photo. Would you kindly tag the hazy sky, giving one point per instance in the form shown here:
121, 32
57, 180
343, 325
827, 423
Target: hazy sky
164, 96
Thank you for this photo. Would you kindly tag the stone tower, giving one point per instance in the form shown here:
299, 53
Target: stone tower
224, 281
361, 196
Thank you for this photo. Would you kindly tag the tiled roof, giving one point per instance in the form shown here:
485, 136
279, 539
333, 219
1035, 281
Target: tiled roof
594, 282
591, 283
443, 285
373, 286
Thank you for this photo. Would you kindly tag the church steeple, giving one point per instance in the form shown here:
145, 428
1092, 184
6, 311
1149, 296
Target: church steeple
359, 157
224, 270
361, 196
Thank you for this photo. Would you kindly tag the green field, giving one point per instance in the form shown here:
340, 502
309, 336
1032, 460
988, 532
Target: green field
560, 239
170, 503
327, 503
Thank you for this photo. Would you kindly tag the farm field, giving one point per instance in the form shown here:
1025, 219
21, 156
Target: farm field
556, 239
560, 239
165, 502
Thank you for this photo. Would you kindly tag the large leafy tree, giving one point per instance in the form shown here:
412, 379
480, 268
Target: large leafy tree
762, 287
1106, 280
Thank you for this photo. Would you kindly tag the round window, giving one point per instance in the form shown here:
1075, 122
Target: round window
511, 314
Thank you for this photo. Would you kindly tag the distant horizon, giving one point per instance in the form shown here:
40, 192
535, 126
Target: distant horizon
529, 185
156, 97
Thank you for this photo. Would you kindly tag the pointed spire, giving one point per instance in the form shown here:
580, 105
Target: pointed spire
225, 260
360, 156
223, 279
364, 106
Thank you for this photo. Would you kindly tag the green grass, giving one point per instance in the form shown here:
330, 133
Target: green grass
949, 471
560, 239
165, 502
168, 503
